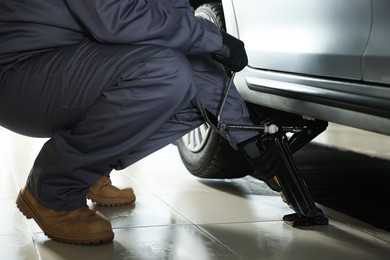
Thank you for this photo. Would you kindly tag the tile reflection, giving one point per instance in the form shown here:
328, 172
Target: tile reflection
179, 216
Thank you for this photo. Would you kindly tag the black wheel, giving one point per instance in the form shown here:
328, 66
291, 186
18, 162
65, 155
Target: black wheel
212, 12
205, 153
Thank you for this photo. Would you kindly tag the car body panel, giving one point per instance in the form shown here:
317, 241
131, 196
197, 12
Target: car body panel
327, 60
315, 37
377, 56
308, 97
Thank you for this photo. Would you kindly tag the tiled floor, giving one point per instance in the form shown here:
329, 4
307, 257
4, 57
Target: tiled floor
178, 216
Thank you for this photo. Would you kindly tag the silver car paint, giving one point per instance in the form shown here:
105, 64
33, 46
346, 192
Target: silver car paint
376, 66
314, 47
316, 37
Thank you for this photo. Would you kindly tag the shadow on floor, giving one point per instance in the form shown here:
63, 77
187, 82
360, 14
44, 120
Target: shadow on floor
351, 183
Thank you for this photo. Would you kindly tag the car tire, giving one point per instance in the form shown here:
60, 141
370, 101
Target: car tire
205, 153
212, 12
212, 157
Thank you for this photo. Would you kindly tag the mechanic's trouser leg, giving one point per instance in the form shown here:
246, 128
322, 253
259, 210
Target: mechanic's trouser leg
99, 108
211, 81
105, 111
118, 122
103, 107
120, 96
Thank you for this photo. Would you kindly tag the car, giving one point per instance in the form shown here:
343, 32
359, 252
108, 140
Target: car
310, 62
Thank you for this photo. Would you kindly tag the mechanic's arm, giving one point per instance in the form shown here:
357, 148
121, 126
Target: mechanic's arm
175, 3
147, 22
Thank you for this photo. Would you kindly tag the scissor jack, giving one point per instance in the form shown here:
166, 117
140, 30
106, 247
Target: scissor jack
277, 162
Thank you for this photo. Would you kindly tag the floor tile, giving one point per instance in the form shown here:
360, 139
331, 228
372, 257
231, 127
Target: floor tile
180, 216
220, 207
165, 175
178, 242
12, 222
7, 188
5, 168
16, 247
276, 240
148, 210
356, 140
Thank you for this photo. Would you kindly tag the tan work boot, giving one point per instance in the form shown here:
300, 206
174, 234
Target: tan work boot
105, 194
80, 226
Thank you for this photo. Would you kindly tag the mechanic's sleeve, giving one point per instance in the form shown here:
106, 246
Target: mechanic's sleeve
174, 3
146, 22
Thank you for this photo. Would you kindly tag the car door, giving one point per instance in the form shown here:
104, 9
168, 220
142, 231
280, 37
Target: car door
324, 38
376, 65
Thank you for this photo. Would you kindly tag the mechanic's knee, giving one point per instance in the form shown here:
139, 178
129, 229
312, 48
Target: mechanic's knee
173, 74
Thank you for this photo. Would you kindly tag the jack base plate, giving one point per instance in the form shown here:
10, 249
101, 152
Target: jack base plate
298, 220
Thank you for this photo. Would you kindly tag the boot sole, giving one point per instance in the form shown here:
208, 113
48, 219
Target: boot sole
105, 203
29, 212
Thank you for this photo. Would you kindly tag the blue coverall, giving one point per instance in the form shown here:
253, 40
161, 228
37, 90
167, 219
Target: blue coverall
109, 82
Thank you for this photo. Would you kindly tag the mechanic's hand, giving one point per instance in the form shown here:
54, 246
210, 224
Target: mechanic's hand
232, 54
